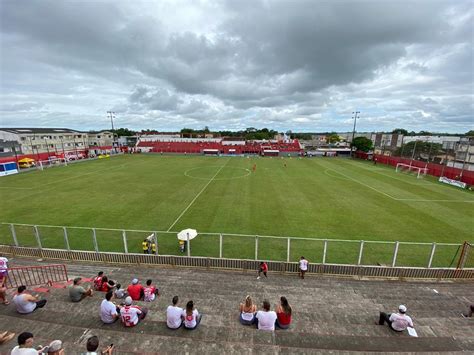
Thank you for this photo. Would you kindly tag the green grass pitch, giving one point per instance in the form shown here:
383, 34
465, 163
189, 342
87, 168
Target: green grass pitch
312, 198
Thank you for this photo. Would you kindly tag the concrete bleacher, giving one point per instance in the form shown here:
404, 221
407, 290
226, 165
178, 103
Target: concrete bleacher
333, 315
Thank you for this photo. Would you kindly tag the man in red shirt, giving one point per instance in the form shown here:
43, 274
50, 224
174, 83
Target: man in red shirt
262, 268
135, 290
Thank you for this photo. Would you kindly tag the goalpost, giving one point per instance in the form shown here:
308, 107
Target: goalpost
420, 172
51, 163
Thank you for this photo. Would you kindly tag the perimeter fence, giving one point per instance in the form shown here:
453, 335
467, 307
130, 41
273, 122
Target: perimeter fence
241, 246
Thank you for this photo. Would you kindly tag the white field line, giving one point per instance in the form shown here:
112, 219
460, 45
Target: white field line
421, 200
65, 179
378, 171
399, 199
16, 188
195, 198
368, 186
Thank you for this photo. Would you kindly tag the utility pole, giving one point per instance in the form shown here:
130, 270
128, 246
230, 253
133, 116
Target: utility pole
465, 158
354, 129
111, 114
413, 155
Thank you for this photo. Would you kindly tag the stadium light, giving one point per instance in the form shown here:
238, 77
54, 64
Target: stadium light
111, 114
354, 129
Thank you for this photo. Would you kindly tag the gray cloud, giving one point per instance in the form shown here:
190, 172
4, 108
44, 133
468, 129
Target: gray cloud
302, 65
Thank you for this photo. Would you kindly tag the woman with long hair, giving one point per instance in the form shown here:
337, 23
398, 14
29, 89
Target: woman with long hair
247, 311
191, 316
283, 311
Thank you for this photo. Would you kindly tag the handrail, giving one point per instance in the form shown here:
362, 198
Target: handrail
35, 275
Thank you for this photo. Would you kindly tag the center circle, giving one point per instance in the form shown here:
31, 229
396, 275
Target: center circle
193, 173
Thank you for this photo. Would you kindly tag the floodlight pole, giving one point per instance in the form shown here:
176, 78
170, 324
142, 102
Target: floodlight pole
413, 154
354, 129
112, 116
465, 158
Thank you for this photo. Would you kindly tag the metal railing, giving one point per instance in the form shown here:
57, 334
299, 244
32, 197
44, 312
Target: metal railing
360, 271
35, 275
238, 246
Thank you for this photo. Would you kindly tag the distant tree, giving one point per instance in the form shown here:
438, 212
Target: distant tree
333, 138
400, 131
187, 130
123, 132
424, 133
362, 143
206, 129
470, 133
423, 150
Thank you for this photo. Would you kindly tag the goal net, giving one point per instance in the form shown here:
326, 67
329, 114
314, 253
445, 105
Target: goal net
51, 163
410, 169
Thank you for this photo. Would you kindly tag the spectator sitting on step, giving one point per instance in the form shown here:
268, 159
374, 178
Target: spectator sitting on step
135, 290
397, 321
191, 316
77, 293
150, 292
173, 315
119, 292
25, 345
55, 348
107, 284
283, 312
469, 312
109, 311
26, 303
247, 311
93, 344
265, 319
131, 315
98, 281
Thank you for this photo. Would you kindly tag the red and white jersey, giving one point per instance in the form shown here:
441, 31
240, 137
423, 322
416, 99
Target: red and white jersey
149, 293
129, 315
98, 282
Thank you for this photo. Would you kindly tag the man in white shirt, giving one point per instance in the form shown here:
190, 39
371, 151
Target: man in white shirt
131, 315
303, 266
397, 321
173, 315
25, 345
109, 312
265, 320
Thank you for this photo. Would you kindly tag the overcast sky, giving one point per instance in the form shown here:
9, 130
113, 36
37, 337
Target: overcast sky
287, 65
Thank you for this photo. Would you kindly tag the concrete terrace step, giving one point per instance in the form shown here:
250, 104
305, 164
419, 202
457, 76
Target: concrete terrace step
330, 315
204, 336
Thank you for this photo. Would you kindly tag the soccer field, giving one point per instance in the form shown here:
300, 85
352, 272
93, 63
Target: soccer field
313, 198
